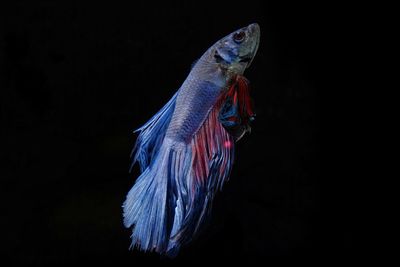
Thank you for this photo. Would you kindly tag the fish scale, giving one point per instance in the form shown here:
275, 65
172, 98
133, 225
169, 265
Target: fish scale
193, 103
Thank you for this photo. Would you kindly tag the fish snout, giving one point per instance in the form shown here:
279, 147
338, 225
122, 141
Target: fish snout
254, 28
254, 40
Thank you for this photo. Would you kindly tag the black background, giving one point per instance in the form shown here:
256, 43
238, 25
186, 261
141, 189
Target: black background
78, 78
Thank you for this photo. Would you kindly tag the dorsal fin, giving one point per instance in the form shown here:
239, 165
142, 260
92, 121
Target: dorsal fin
152, 134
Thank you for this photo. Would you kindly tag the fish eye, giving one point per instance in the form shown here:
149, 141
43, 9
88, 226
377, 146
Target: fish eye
238, 37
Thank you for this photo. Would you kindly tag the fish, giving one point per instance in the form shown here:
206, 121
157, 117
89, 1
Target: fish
186, 150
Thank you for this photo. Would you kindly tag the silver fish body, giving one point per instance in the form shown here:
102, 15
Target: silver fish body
208, 79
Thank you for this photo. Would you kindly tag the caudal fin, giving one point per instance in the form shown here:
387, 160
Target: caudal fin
154, 205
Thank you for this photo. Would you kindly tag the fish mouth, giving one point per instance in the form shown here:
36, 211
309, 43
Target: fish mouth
246, 59
254, 31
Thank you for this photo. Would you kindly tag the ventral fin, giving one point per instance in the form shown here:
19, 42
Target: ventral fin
236, 112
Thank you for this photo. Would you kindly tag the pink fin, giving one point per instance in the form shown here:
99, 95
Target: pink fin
211, 140
239, 91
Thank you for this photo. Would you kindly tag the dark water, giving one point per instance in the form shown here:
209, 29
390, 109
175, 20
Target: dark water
76, 79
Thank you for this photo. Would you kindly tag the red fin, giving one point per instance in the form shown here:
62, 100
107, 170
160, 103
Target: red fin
212, 156
239, 92
245, 103
210, 140
237, 107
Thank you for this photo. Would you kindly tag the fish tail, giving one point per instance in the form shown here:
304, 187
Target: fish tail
155, 206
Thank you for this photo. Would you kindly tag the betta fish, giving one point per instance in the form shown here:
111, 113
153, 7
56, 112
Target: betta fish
186, 150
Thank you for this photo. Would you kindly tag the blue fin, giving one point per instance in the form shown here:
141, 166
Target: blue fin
154, 204
172, 197
152, 134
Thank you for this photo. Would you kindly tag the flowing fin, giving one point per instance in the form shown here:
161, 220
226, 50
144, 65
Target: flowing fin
212, 158
152, 205
151, 135
172, 198
237, 111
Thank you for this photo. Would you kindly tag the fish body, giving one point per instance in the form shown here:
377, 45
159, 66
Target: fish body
186, 150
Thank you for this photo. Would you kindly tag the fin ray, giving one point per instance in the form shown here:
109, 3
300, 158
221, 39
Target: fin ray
151, 135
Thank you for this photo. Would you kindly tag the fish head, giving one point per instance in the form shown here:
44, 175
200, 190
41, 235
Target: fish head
236, 51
